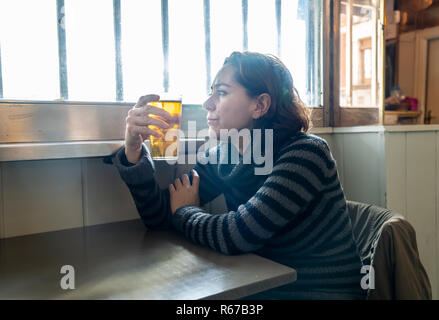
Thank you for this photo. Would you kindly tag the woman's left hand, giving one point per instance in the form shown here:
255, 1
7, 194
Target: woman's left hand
183, 193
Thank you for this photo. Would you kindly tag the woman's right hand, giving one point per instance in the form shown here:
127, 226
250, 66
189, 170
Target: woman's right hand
137, 123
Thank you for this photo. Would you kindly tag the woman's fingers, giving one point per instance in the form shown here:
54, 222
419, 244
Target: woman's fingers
171, 188
195, 179
185, 180
142, 116
145, 121
143, 130
177, 183
143, 100
150, 109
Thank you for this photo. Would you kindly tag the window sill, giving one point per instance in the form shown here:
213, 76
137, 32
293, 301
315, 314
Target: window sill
58, 150
80, 149
102, 148
387, 128
67, 150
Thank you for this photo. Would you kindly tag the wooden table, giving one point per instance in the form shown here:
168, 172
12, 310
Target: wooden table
125, 261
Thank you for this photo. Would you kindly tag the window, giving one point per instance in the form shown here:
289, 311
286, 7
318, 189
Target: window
365, 74
360, 61
117, 50
359, 85
29, 61
90, 50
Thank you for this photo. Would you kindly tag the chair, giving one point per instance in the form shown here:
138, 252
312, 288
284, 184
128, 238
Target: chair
387, 242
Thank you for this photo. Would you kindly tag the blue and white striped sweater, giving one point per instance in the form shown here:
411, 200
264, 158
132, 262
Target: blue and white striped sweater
296, 215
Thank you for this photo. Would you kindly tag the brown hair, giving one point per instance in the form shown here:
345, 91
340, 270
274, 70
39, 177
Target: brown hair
259, 73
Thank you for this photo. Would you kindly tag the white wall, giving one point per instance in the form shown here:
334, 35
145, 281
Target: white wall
413, 190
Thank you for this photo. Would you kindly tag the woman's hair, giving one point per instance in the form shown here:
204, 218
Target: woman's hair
259, 73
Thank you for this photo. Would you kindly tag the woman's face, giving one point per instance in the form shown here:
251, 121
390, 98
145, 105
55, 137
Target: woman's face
229, 106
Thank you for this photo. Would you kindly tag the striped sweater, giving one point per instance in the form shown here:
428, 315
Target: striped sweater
296, 215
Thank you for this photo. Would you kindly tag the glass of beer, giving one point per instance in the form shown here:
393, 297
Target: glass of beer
166, 147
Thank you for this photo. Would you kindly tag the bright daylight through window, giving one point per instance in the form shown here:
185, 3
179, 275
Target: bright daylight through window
69, 49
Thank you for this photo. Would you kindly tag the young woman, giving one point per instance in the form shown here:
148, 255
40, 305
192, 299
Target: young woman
296, 215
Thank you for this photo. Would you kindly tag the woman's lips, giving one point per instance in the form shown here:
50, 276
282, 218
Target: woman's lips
212, 121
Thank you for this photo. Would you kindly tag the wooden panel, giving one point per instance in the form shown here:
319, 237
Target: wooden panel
410, 11
358, 117
2, 231
337, 152
41, 196
406, 63
421, 197
418, 14
396, 164
317, 117
106, 197
437, 216
361, 167
432, 101
381, 169
33, 122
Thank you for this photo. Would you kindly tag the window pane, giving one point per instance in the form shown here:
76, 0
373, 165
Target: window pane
29, 49
367, 64
301, 47
226, 31
90, 46
90, 50
261, 26
362, 32
141, 46
358, 54
293, 51
187, 67
345, 54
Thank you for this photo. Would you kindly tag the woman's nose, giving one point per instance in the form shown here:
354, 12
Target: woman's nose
209, 104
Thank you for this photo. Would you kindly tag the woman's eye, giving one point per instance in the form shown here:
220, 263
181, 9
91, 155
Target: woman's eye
217, 93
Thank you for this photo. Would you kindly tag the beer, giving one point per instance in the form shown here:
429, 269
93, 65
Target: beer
161, 149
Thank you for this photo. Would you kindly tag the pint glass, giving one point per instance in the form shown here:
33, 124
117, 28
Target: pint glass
166, 147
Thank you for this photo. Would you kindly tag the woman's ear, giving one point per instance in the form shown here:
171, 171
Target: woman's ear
263, 103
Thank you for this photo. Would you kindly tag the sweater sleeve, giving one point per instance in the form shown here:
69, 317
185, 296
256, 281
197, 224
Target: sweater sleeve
299, 175
152, 203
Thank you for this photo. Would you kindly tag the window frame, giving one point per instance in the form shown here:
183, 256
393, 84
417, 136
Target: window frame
356, 116
330, 114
